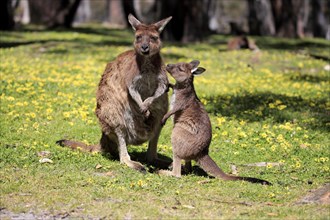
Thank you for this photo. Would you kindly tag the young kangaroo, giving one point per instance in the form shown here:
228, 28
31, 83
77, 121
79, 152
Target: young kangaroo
192, 132
132, 97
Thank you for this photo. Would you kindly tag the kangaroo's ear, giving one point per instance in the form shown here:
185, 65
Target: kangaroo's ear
161, 24
198, 71
133, 21
194, 64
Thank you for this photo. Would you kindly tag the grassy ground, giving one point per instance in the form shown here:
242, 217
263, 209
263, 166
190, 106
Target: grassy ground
269, 106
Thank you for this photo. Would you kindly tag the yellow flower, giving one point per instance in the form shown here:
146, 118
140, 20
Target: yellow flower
273, 147
280, 138
281, 107
271, 105
66, 114
49, 111
35, 125
221, 120
10, 98
242, 134
271, 195
269, 165
140, 183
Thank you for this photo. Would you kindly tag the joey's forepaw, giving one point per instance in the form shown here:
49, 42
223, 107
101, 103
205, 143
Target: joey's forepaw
163, 122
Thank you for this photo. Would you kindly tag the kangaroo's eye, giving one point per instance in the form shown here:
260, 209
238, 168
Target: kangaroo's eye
154, 38
138, 38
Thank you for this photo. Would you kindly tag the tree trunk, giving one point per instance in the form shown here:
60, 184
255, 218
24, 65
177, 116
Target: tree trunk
318, 19
116, 15
84, 12
128, 8
6, 15
261, 21
215, 16
174, 29
53, 13
148, 11
196, 21
289, 17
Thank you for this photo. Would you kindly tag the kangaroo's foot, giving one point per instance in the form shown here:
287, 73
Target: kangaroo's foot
168, 173
134, 165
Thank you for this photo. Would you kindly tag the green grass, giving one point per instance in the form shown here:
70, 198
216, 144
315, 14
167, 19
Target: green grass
269, 106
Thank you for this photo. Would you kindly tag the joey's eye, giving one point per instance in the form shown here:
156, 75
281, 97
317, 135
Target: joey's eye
154, 38
181, 69
139, 37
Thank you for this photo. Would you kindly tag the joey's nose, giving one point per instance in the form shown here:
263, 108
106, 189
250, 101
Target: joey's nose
145, 48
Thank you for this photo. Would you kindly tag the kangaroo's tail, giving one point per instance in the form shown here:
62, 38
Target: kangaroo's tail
212, 168
79, 145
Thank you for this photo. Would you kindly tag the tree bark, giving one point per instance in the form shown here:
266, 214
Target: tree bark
318, 19
53, 13
289, 17
196, 20
116, 15
128, 7
84, 12
174, 29
6, 15
261, 21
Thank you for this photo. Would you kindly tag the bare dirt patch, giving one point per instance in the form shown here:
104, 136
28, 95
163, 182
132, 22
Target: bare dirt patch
320, 196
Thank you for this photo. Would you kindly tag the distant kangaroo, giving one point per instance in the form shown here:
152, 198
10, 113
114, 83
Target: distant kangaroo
192, 132
132, 98
242, 42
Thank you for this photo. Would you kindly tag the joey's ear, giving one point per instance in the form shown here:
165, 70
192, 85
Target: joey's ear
194, 64
198, 71
133, 21
161, 24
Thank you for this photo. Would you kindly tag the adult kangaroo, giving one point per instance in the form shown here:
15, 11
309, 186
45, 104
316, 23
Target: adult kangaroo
192, 132
132, 98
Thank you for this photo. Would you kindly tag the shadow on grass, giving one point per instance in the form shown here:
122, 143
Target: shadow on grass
291, 44
172, 56
279, 108
153, 168
115, 37
309, 78
79, 42
141, 156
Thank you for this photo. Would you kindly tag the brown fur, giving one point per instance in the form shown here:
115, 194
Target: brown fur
242, 42
131, 97
192, 132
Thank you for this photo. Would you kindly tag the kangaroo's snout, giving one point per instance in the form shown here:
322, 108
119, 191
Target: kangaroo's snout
145, 48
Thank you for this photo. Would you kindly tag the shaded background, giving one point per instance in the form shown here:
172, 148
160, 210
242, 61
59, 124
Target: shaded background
192, 19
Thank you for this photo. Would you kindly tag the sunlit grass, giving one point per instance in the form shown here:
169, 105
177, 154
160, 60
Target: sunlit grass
267, 106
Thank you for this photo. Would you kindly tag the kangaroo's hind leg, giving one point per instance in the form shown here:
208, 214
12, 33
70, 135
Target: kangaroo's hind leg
123, 153
152, 157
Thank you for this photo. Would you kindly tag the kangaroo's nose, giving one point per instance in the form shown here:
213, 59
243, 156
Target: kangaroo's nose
145, 47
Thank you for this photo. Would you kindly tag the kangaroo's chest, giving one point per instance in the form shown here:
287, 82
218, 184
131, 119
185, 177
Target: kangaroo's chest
146, 84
